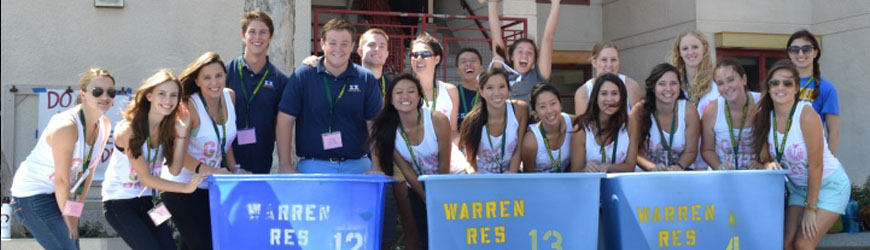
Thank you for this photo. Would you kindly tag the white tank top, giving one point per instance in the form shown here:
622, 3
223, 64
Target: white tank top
656, 152
204, 143
443, 102
35, 175
543, 163
488, 155
426, 153
591, 83
121, 181
795, 158
705, 101
593, 149
723, 137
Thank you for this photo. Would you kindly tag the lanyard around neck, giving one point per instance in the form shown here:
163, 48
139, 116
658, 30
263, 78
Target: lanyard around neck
408, 142
780, 147
151, 160
556, 162
87, 161
615, 145
735, 142
329, 98
669, 143
222, 137
434, 96
464, 103
499, 158
249, 99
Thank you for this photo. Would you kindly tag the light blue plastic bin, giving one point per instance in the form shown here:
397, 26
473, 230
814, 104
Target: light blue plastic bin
696, 210
296, 211
528, 211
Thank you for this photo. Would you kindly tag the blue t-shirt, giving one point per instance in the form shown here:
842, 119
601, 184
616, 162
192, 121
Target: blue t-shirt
466, 103
256, 157
305, 98
826, 102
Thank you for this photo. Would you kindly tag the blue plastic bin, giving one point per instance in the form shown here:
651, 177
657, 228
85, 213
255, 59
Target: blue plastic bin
697, 210
296, 211
513, 211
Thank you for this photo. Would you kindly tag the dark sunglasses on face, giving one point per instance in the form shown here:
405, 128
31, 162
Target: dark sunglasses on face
97, 92
422, 54
806, 49
774, 83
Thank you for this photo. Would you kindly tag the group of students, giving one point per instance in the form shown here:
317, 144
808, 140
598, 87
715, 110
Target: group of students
351, 118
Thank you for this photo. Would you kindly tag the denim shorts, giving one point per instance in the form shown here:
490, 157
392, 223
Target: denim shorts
833, 195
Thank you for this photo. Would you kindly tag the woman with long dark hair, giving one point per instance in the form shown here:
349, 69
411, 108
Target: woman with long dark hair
607, 138
787, 134
51, 184
726, 124
492, 132
213, 120
669, 125
414, 138
804, 52
547, 147
154, 130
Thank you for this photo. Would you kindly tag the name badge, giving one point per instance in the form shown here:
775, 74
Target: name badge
331, 140
247, 136
73, 208
159, 214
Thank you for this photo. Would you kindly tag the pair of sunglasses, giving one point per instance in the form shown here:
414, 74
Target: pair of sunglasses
795, 49
774, 83
98, 91
422, 54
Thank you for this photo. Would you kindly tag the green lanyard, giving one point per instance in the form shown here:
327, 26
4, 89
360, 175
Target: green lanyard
669, 143
151, 160
556, 163
780, 148
408, 142
464, 103
249, 99
434, 96
383, 89
805, 88
222, 137
615, 145
329, 98
85, 140
500, 157
735, 142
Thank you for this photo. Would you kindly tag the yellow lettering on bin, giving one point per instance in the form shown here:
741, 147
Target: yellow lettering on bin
499, 234
675, 235
709, 212
669, 213
502, 207
683, 211
695, 209
643, 214
663, 239
484, 236
476, 210
471, 236
657, 214
450, 210
519, 208
690, 237
490, 209
463, 212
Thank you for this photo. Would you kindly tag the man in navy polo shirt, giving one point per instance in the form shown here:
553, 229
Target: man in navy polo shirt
330, 107
260, 84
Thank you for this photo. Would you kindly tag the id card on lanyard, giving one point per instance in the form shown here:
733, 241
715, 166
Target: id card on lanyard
248, 134
332, 139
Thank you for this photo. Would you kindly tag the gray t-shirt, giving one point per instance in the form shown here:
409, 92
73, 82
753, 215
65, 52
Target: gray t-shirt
522, 90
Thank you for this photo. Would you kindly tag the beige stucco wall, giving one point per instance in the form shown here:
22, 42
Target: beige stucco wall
579, 25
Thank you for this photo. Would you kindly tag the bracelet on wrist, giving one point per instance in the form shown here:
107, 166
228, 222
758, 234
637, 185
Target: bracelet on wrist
810, 207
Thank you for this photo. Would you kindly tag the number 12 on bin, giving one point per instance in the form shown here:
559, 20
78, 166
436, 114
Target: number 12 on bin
550, 236
354, 240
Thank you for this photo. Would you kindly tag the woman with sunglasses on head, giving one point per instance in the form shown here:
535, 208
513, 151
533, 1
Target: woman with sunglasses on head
804, 52
607, 139
437, 95
691, 56
669, 125
547, 148
209, 151
726, 124
527, 65
416, 139
159, 125
493, 131
50, 185
605, 59
788, 135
